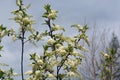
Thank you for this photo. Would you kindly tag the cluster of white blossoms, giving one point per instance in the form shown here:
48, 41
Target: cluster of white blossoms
68, 40
22, 17
75, 53
50, 76
52, 14
37, 75
51, 41
38, 59
58, 27
71, 62
29, 72
72, 74
19, 18
61, 50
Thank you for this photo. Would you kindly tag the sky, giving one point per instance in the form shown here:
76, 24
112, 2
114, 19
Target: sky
101, 13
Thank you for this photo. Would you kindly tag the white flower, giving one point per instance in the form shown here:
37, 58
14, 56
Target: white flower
15, 74
51, 41
34, 66
20, 12
52, 15
79, 27
61, 51
37, 56
71, 73
67, 39
28, 72
37, 72
71, 62
51, 76
40, 61
58, 45
62, 47
58, 27
14, 37
18, 2
75, 53
26, 20
106, 55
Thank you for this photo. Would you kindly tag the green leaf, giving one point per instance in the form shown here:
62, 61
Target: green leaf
70, 48
45, 47
79, 27
87, 40
1, 48
113, 51
2, 27
85, 27
28, 6
1, 73
32, 56
47, 8
81, 48
45, 15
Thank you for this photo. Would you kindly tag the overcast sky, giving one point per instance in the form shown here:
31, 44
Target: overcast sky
103, 13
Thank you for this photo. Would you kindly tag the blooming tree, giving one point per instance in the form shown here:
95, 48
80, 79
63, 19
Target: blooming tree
61, 56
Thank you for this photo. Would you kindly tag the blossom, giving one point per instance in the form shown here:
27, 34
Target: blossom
26, 20
71, 73
37, 56
51, 76
61, 51
58, 27
75, 53
20, 12
40, 61
52, 14
37, 72
28, 72
79, 27
14, 37
71, 62
106, 55
18, 3
62, 47
34, 67
58, 45
51, 41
